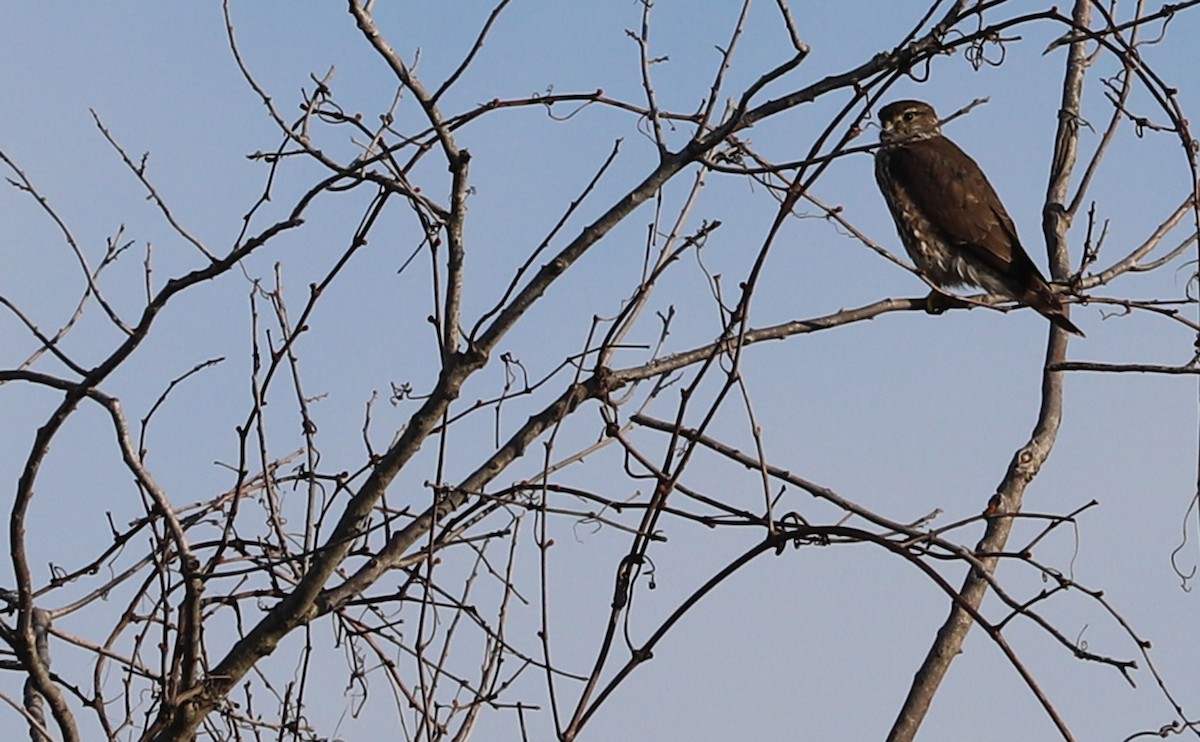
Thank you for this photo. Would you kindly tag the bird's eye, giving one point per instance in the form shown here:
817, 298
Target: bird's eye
909, 115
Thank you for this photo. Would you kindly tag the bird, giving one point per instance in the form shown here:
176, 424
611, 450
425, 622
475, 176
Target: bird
949, 217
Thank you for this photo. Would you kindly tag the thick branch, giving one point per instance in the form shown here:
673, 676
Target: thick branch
1029, 458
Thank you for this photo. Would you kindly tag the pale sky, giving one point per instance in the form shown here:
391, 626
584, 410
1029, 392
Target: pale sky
904, 414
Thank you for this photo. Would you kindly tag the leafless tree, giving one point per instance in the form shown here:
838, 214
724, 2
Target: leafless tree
415, 559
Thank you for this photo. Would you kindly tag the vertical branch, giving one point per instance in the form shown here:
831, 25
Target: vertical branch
455, 253
1056, 221
652, 110
1029, 458
456, 157
34, 707
714, 92
25, 638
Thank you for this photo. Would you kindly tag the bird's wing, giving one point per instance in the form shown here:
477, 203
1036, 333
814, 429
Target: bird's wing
955, 196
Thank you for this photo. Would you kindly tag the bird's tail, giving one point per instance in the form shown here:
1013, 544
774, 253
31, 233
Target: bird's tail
1051, 306
1059, 317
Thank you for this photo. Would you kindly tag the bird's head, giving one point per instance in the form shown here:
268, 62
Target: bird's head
908, 120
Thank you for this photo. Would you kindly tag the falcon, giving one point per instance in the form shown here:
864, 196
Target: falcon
949, 217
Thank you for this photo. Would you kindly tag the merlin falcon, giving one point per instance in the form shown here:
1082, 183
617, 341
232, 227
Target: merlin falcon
949, 217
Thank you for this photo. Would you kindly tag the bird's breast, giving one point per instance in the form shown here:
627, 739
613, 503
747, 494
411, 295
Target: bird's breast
942, 262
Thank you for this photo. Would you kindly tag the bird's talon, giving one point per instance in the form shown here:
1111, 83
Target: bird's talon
934, 303
938, 302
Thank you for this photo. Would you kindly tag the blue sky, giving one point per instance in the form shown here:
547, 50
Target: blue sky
903, 414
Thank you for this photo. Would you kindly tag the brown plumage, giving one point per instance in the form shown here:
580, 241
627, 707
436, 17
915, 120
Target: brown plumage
949, 217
